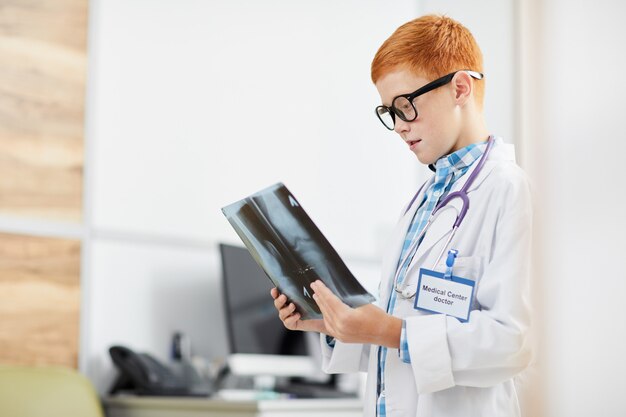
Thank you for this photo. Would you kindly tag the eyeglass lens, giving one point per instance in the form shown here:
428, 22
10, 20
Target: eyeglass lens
400, 107
404, 109
386, 117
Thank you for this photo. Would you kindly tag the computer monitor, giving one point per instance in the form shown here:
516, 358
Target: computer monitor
259, 342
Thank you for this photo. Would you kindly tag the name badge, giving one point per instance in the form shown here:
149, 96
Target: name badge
452, 297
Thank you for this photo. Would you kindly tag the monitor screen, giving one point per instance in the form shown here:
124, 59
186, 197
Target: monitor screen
252, 324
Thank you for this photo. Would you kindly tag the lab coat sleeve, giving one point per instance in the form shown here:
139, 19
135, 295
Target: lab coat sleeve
491, 346
344, 357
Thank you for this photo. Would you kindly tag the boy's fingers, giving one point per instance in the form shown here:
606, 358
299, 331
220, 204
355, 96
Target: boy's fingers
285, 312
321, 303
326, 297
291, 321
280, 301
320, 288
274, 293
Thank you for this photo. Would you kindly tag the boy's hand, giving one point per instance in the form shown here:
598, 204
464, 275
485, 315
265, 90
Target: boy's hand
365, 324
291, 318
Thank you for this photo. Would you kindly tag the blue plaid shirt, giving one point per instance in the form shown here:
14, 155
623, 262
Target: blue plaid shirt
448, 170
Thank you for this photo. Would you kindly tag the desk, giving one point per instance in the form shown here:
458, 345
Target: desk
128, 406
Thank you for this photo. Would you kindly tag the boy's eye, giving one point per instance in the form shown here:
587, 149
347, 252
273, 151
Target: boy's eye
402, 105
405, 106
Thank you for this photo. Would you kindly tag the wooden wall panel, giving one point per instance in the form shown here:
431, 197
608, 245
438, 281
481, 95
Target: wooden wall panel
39, 300
42, 87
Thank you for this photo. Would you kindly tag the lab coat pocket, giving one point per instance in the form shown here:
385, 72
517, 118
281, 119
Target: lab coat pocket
468, 267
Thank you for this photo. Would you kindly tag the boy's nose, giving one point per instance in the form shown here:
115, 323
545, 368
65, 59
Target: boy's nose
401, 126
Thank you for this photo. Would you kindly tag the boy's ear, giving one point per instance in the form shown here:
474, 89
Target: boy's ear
462, 83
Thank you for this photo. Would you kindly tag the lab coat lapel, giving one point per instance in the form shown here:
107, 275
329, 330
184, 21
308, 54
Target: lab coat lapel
397, 241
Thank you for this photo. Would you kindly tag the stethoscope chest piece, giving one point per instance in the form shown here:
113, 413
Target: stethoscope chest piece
406, 292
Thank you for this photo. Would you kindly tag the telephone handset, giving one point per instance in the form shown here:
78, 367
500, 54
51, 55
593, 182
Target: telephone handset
145, 375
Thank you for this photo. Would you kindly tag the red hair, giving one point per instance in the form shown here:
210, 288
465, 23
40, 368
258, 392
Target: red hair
430, 46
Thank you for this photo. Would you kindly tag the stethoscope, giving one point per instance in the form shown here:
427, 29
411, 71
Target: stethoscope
405, 292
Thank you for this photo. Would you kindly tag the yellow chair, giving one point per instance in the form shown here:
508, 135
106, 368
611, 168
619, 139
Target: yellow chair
46, 392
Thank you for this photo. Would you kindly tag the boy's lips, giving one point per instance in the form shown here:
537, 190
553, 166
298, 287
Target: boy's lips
412, 143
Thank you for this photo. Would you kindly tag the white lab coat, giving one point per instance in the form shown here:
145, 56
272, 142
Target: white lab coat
459, 369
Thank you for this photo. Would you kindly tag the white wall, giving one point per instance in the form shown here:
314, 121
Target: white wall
574, 144
198, 104
193, 105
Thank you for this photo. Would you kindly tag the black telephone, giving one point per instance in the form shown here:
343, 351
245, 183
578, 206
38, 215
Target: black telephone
145, 375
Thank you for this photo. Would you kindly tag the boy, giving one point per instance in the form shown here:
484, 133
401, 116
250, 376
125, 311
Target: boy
432, 360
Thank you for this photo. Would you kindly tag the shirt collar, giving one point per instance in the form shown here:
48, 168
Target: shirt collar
460, 159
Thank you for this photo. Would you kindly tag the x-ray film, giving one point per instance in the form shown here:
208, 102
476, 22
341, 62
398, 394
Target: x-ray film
292, 251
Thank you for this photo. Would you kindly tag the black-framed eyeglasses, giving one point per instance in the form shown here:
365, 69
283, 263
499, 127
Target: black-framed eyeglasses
403, 107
